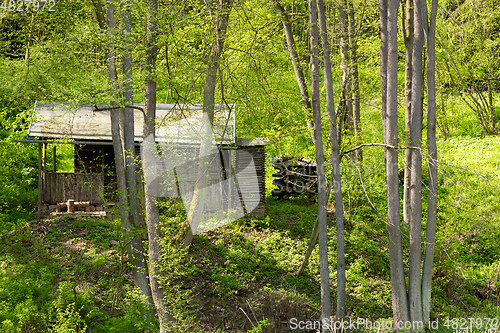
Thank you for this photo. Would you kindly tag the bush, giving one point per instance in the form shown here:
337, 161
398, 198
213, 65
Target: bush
19, 179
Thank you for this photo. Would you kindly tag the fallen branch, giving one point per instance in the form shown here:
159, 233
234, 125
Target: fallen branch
422, 151
97, 109
314, 234
377, 145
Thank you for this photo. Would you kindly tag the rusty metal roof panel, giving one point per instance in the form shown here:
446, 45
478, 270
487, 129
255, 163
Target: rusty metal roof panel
83, 123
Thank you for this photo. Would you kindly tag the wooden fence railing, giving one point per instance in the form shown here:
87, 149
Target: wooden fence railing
61, 186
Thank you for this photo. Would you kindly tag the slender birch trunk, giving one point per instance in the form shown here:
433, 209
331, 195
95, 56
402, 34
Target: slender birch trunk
152, 213
337, 185
415, 261
197, 201
356, 108
326, 310
298, 70
346, 122
407, 23
389, 84
430, 233
128, 118
133, 243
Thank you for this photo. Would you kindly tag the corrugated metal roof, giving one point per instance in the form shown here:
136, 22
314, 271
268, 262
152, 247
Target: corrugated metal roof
82, 123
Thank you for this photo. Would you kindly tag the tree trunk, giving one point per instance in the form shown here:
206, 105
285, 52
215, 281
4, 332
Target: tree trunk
337, 185
356, 109
215, 57
430, 233
128, 118
100, 13
127, 115
152, 213
346, 121
132, 242
415, 261
299, 72
320, 167
408, 39
383, 61
389, 84
197, 201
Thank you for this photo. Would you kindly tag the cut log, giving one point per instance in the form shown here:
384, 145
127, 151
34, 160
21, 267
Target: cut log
70, 205
90, 208
295, 176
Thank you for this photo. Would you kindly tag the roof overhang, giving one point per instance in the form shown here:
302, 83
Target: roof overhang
61, 122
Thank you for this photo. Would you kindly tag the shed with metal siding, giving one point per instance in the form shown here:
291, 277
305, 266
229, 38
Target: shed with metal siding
90, 133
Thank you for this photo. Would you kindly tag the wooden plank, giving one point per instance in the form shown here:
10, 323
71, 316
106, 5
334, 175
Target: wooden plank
40, 185
78, 186
44, 166
79, 213
54, 161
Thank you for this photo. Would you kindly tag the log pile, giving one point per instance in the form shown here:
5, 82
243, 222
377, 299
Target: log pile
72, 206
295, 176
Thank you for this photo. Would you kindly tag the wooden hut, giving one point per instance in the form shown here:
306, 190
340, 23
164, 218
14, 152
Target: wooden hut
89, 132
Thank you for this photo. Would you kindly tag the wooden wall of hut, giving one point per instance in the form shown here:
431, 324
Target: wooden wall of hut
62, 186
220, 190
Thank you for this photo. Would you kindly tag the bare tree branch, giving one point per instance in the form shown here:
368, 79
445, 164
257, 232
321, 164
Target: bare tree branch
95, 108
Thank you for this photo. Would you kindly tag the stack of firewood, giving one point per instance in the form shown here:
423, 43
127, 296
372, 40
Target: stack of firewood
295, 176
72, 206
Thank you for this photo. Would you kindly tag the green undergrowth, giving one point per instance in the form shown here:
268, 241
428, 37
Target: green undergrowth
66, 275
468, 252
467, 261
19, 180
243, 275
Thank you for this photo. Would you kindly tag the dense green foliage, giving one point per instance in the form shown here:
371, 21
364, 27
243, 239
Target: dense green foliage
64, 275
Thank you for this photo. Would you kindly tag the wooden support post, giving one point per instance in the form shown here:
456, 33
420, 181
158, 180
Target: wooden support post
71, 206
229, 159
40, 185
54, 169
44, 170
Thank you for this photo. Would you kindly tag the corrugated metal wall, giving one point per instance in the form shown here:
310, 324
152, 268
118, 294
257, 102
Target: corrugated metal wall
259, 158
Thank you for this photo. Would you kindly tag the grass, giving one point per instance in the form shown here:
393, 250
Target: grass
64, 274
469, 224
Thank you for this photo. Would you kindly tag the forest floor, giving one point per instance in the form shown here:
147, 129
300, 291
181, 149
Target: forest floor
71, 275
